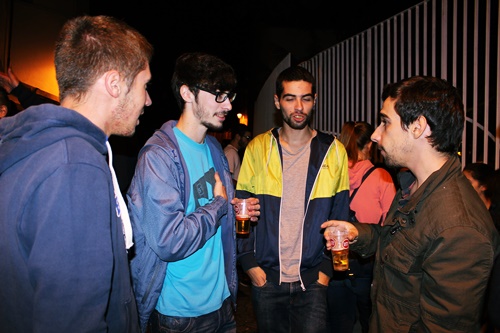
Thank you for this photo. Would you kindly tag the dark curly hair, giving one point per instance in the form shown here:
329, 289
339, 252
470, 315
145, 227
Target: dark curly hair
197, 69
435, 99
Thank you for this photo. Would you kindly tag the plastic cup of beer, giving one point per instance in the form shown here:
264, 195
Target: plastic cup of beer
242, 217
340, 247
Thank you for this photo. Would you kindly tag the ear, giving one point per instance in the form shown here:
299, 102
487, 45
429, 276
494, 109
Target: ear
3, 111
419, 127
112, 82
186, 93
276, 101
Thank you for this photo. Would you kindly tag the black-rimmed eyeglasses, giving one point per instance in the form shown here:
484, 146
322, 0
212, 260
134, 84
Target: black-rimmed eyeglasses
220, 96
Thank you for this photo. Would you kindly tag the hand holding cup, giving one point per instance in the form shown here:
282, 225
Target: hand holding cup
241, 208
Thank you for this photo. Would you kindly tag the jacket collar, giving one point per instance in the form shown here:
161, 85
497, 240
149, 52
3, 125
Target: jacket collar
450, 169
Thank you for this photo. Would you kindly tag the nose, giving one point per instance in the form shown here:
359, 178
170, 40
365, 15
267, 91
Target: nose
228, 105
299, 105
375, 137
148, 100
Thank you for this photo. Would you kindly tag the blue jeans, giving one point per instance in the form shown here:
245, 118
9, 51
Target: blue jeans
220, 321
287, 308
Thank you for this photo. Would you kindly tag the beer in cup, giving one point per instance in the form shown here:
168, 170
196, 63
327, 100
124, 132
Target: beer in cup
242, 217
340, 247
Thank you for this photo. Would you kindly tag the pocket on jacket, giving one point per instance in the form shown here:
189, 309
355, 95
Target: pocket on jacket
402, 254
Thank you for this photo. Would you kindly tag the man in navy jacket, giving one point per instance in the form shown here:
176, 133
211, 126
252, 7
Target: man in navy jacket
64, 228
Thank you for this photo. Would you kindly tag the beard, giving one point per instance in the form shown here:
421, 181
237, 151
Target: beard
124, 123
205, 117
395, 160
288, 119
212, 127
391, 162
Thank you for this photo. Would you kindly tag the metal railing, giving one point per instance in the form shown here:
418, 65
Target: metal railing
457, 40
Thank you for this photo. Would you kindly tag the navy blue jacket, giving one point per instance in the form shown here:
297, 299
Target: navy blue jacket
64, 266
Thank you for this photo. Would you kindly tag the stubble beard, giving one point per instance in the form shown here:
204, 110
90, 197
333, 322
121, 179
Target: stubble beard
288, 119
121, 119
201, 114
394, 160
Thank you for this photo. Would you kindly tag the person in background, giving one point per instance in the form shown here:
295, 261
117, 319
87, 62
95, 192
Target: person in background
184, 269
349, 292
300, 177
436, 249
493, 305
495, 199
5, 103
482, 178
240, 136
27, 96
65, 231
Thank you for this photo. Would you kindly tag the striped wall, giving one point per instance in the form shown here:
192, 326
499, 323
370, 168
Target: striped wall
457, 40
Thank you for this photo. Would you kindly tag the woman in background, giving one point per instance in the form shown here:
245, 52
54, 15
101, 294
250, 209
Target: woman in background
349, 293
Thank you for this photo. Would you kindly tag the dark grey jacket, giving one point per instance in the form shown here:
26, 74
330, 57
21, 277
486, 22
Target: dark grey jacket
434, 257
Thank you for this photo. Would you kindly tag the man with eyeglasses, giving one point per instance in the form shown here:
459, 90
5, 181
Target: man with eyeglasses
184, 268
240, 137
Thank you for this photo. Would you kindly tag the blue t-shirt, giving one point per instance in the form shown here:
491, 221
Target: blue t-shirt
196, 285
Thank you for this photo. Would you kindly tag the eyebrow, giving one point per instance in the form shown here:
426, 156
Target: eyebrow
301, 96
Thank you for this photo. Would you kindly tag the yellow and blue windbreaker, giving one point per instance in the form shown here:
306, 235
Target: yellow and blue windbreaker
326, 198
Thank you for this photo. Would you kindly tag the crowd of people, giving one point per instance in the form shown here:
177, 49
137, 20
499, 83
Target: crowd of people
79, 256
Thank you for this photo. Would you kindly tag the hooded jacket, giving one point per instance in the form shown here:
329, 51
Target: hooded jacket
162, 231
64, 265
326, 198
434, 256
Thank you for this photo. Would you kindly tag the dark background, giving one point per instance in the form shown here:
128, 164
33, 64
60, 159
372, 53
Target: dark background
252, 36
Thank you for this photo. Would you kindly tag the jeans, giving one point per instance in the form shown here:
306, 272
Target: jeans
220, 321
346, 298
287, 308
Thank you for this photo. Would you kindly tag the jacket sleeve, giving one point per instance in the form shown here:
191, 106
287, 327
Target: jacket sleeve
368, 235
28, 96
340, 208
245, 189
69, 250
155, 204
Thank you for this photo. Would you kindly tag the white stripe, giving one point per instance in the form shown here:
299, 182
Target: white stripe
121, 207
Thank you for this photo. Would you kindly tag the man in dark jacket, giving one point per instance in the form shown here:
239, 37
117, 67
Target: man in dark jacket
64, 225
436, 249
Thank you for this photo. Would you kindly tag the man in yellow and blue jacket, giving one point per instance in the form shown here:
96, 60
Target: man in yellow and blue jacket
300, 176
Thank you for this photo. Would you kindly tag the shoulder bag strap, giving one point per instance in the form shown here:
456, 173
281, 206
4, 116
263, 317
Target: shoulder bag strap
367, 173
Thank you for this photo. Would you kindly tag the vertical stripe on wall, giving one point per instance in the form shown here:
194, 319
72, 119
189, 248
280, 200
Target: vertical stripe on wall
457, 40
